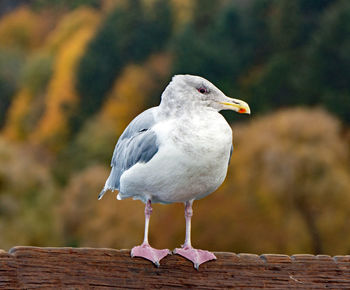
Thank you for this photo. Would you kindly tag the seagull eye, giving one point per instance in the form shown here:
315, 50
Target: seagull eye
202, 90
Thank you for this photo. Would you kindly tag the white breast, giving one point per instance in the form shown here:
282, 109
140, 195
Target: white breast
191, 162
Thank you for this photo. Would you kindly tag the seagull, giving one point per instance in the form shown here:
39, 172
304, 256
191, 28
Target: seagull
179, 152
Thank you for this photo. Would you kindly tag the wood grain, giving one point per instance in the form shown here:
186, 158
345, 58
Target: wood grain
88, 268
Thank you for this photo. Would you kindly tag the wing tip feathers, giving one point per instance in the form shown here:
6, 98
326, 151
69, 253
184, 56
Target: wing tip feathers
102, 193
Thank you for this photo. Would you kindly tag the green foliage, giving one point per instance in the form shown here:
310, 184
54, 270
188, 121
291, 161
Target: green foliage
10, 67
329, 72
35, 76
273, 87
219, 52
129, 34
276, 53
64, 4
37, 73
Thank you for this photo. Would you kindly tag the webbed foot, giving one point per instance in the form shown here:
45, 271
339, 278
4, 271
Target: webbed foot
147, 252
196, 256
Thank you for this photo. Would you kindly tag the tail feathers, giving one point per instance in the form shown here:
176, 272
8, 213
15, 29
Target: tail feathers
102, 193
112, 182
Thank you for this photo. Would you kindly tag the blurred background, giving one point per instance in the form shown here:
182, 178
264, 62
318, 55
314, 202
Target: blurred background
73, 74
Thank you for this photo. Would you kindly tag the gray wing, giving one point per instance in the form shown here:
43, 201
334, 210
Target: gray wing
138, 143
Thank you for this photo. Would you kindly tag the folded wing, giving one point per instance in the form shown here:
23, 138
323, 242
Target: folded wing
137, 144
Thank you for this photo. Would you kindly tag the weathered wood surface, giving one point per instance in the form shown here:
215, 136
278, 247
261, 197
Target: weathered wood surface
87, 268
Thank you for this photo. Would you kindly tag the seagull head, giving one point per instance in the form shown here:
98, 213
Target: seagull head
195, 91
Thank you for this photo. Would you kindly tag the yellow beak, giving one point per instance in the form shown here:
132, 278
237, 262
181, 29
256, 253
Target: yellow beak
237, 105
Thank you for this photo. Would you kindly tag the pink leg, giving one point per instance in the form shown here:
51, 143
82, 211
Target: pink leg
197, 257
145, 250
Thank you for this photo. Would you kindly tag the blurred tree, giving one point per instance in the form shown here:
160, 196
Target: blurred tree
24, 29
292, 23
27, 196
16, 127
182, 12
278, 77
272, 84
6, 6
10, 67
21, 32
29, 103
37, 73
129, 34
64, 4
61, 101
296, 161
205, 13
219, 51
328, 71
68, 26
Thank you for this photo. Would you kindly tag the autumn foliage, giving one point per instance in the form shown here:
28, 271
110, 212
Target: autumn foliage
73, 74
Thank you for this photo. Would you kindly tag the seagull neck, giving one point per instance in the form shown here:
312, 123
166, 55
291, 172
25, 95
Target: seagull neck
171, 108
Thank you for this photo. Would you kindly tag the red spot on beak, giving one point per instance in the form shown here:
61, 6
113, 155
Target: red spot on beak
241, 110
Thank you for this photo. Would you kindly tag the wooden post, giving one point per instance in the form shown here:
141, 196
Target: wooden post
85, 268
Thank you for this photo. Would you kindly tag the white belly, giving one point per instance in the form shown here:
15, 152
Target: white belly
191, 163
